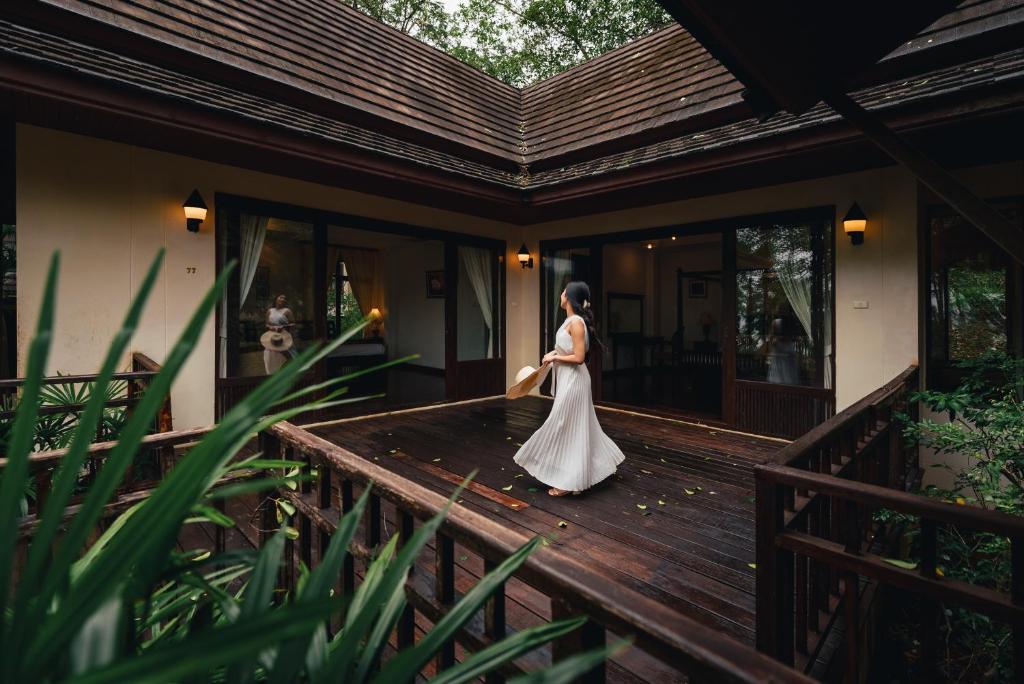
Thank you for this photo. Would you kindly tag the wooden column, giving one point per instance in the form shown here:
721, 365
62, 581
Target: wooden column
588, 637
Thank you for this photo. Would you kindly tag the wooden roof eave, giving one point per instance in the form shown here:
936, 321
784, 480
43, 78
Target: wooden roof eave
825, 150
138, 46
48, 98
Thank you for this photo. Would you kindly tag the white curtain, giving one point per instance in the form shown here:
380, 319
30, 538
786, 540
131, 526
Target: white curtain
252, 231
796, 284
478, 269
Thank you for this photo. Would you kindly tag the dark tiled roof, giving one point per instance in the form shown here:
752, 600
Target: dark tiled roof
652, 85
662, 82
111, 67
999, 68
327, 49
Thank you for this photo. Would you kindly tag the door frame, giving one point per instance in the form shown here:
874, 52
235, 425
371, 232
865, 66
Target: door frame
228, 207
726, 228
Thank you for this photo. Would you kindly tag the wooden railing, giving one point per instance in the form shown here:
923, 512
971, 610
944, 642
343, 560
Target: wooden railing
819, 552
778, 410
572, 589
128, 389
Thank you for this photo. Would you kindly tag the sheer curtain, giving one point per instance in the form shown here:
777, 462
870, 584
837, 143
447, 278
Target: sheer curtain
252, 231
478, 269
796, 284
365, 278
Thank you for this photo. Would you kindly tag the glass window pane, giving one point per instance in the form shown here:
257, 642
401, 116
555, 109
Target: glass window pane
783, 283
968, 285
275, 295
478, 311
560, 266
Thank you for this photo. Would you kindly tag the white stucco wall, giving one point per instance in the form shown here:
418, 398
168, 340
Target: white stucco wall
109, 207
872, 344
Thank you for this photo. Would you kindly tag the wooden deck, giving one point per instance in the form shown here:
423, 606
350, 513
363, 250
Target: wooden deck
675, 523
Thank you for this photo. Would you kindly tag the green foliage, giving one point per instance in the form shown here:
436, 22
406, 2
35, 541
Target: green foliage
982, 420
521, 41
132, 607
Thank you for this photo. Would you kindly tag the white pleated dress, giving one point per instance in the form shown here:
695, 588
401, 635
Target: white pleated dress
570, 451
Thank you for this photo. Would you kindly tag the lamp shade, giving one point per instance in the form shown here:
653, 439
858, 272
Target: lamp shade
375, 314
855, 223
195, 211
525, 260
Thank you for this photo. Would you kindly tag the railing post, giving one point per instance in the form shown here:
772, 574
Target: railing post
444, 575
406, 629
348, 570
588, 637
494, 619
774, 589
931, 609
1017, 596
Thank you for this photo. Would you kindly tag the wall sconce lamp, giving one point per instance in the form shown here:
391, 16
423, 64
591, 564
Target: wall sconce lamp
195, 211
525, 260
855, 223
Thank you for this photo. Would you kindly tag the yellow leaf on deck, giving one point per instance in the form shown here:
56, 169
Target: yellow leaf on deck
642, 507
562, 523
660, 502
689, 492
507, 489
753, 566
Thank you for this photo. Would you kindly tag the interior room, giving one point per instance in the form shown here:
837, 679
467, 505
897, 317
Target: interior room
663, 313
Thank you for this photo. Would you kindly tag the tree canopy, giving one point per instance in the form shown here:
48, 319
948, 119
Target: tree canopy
520, 41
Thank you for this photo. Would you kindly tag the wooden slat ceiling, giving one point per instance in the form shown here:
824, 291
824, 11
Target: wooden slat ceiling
654, 89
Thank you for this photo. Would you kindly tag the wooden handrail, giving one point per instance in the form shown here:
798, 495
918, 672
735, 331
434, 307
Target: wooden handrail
816, 437
817, 539
670, 636
14, 383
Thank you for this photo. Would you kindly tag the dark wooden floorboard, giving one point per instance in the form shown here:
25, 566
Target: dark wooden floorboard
691, 547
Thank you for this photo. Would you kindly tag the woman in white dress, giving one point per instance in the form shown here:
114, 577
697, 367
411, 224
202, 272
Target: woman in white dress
569, 451
279, 319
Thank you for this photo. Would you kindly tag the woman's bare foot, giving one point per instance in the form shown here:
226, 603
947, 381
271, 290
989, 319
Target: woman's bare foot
555, 491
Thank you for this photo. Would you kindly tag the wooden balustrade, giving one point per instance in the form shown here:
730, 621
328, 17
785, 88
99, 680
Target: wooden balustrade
819, 552
573, 589
134, 385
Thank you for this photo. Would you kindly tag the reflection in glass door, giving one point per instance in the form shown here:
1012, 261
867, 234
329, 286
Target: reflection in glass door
475, 321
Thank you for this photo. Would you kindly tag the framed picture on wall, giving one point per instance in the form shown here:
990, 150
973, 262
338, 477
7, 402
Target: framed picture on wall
435, 284
698, 288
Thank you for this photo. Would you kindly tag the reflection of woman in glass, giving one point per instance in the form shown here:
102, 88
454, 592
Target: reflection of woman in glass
781, 351
278, 342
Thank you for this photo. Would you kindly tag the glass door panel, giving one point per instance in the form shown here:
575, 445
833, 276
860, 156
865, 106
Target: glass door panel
475, 321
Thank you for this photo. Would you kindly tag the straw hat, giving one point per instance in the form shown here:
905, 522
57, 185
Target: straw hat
527, 379
277, 340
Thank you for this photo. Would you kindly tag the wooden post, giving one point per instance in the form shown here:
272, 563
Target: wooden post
444, 575
406, 629
931, 609
1017, 595
348, 570
494, 619
588, 637
774, 588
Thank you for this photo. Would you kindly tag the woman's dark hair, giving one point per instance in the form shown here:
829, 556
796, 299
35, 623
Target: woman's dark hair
578, 294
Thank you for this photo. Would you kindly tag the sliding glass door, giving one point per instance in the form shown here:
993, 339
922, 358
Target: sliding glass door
475, 320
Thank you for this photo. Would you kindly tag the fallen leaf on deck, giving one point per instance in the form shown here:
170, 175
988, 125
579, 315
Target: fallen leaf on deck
752, 566
660, 502
689, 492
393, 451
646, 472
699, 489
509, 439
519, 475
707, 458
712, 492
664, 461
517, 444
642, 507
906, 565
533, 489
507, 489
562, 523
940, 572
645, 513
436, 460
